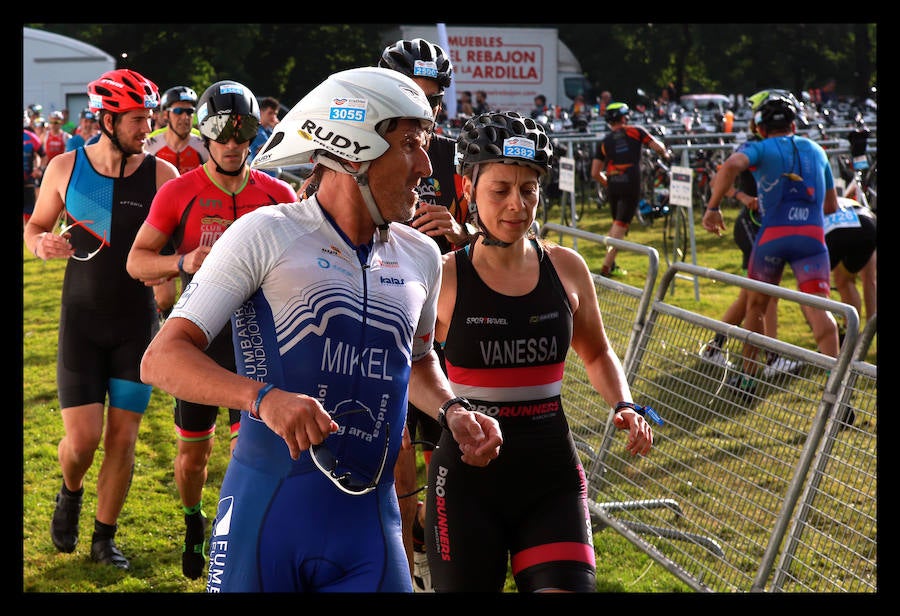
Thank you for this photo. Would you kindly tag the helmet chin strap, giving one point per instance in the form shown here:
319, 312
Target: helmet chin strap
362, 181
219, 169
486, 238
115, 142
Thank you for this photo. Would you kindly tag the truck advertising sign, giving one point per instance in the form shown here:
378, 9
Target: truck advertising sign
512, 65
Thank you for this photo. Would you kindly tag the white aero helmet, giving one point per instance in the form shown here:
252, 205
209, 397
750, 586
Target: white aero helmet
340, 116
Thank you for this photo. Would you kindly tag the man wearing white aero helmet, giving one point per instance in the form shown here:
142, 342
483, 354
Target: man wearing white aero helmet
332, 314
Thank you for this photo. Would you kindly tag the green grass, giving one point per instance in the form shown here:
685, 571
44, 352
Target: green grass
151, 524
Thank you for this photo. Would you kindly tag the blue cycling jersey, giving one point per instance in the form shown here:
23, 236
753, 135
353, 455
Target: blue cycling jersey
314, 314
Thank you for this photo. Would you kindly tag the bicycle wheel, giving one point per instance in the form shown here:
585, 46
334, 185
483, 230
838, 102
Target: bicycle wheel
675, 236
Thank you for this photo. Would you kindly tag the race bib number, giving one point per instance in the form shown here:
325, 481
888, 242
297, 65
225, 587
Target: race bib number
844, 218
348, 109
520, 147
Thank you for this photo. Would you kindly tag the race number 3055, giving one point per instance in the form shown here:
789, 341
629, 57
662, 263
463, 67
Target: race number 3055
348, 109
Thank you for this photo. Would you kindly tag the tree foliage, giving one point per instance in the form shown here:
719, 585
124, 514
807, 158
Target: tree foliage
287, 60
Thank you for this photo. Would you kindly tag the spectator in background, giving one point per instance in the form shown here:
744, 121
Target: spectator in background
464, 104
55, 138
796, 191
103, 192
68, 125
158, 120
669, 92
603, 101
32, 168
87, 128
540, 106
481, 104
268, 120
617, 166
578, 106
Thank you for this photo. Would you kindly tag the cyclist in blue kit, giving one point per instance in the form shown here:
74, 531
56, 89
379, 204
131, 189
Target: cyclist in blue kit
332, 310
795, 190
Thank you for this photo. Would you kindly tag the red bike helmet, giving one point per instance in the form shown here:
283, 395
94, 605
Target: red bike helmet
122, 90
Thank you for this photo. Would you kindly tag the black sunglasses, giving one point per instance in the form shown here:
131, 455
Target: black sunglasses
181, 110
435, 99
221, 128
327, 462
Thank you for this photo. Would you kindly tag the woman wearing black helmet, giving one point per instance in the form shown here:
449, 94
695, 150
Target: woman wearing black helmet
510, 306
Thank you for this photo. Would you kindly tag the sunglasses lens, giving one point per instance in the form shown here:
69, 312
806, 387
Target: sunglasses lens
182, 110
221, 128
435, 99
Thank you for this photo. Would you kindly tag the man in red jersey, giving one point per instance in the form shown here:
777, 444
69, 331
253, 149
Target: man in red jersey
194, 210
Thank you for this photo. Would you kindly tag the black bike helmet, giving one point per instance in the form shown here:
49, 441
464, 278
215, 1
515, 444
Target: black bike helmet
178, 94
757, 100
503, 136
773, 108
616, 111
418, 58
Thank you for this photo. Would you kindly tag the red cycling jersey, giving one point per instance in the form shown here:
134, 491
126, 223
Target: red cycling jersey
193, 210
54, 144
190, 157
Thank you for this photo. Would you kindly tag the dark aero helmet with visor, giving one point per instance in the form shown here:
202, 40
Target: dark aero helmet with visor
228, 109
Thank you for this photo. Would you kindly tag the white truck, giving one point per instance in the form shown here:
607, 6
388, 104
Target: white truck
512, 65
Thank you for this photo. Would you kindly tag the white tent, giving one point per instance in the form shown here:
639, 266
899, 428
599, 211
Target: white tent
56, 70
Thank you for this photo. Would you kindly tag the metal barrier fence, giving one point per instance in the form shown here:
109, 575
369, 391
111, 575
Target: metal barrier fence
772, 490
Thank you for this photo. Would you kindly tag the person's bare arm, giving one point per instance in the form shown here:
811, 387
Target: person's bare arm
144, 261
39, 237
590, 342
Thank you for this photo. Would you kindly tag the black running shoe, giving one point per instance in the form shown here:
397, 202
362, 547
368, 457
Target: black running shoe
193, 550
64, 525
105, 551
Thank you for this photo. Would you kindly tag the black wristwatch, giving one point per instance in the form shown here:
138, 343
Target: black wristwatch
442, 414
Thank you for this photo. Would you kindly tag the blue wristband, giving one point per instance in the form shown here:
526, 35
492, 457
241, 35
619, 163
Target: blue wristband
181, 264
254, 406
643, 411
